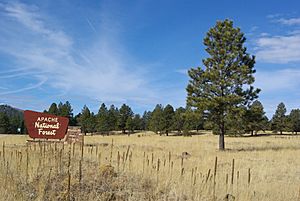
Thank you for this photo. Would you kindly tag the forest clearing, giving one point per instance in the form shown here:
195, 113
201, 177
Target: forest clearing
145, 166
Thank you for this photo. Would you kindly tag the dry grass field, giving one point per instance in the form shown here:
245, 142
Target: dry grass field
145, 166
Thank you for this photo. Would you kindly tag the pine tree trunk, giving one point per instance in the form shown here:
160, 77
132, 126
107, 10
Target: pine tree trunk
167, 132
221, 142
221, 137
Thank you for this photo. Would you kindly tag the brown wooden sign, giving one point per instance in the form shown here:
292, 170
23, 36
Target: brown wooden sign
43, 125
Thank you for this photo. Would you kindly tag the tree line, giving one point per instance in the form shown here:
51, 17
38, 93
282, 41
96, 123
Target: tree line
179, 121
161, 120
11, 120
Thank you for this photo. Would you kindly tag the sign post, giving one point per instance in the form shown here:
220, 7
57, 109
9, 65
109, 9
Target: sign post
45, 126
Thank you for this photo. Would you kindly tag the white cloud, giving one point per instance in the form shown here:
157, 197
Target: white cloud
281, 48
280, 80
278, 86
278, 49
183, 71
41, 81
103, 71
291, 21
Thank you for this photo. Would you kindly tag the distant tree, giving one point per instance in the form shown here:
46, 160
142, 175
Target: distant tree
76, 119
125, 112
130, 125
156, 123
138, 122
193, 120
146, 120
236, 122
134, 123
225, 84
15, 123
294, 120
73, 121
113, 114
168, 117
188, 121
53, 109
255, 118
4, 123
65, 110
102, 120
179, 119
279, 119
92, 123
85, 119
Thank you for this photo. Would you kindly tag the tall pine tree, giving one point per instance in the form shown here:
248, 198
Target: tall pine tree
225, 83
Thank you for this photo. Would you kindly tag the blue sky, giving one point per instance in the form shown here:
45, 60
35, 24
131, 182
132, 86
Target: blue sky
137, 52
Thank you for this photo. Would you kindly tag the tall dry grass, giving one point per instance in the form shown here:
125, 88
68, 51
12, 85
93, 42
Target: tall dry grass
150, 167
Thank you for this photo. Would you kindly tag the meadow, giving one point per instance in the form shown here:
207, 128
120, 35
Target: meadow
145, 166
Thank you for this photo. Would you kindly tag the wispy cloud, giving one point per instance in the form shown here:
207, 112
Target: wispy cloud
41, 81
278, 86
290, 21
183, 71
278, 49
279, 80
283, 47
102, 71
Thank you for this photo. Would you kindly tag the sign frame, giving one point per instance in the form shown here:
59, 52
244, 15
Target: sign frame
45, 126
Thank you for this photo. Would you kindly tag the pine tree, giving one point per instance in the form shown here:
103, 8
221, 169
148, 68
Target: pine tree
15, 123
146, 120
85, 117
294, 120
138, 122
156, 123
65, 110
178, 122
53, 109
102, 120
279, 119
125, 112
255, 118
168, 117
130, 125
225, 83
4, 123
113, 114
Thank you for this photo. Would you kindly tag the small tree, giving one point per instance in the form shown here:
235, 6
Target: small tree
138, 122
85, 119
4, 123
255, 118
279, 119
124, 113
156, 121
130, 125
168, 116
102, 117
178, 122
146, 120
65, 110
294, 120
225, 83
113, 114
53, 109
